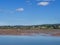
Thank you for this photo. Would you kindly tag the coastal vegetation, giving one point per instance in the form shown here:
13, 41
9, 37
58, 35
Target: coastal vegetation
44, 26
51, 29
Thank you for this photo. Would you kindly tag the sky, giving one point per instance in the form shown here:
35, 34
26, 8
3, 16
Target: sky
29, 12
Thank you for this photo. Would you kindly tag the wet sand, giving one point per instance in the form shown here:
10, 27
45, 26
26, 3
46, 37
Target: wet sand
52, 32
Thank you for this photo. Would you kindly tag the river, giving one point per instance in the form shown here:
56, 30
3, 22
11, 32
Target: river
29, 40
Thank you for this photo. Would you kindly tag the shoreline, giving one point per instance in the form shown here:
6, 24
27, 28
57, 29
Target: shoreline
52, 32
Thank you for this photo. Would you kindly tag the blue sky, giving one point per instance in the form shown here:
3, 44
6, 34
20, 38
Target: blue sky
29, 12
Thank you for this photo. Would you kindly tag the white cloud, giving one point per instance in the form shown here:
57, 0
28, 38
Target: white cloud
46, 0
43, 3
20, 9
4, 11
28, 2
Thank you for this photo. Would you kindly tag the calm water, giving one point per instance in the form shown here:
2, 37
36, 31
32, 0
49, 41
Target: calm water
29, 40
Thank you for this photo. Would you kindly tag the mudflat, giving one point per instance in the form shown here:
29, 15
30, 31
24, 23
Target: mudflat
52, 32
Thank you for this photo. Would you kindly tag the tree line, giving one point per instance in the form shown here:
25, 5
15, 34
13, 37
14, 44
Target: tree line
45, 26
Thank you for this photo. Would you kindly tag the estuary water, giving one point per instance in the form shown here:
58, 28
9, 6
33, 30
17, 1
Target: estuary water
29, 40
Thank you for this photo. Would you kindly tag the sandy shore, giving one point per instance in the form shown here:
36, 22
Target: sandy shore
52, 32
